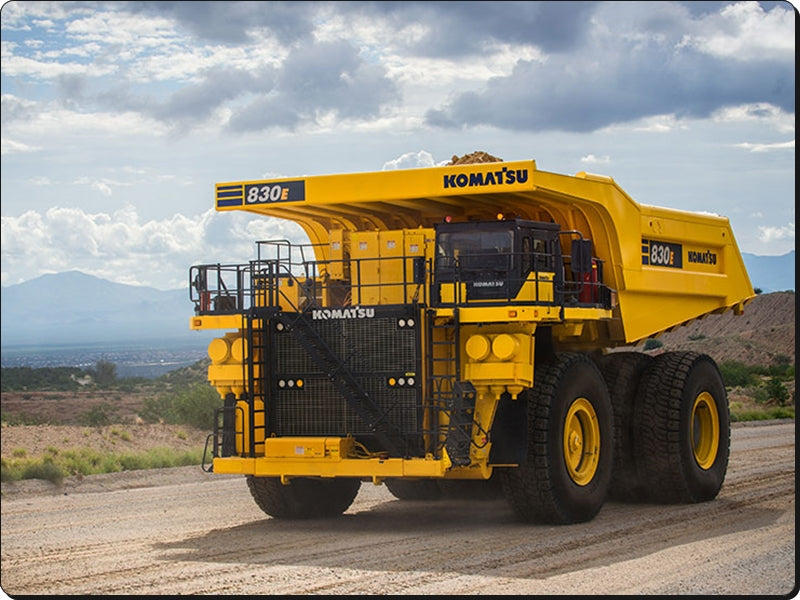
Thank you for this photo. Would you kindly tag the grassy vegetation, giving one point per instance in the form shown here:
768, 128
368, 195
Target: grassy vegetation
56, 464
766, 414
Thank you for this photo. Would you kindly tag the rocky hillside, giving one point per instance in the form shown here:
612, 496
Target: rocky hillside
761, 335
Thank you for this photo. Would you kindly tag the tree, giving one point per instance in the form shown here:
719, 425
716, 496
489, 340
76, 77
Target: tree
105, 372
777, 391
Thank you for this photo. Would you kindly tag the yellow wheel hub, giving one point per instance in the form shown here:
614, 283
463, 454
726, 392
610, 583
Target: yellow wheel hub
705, 430
581, 441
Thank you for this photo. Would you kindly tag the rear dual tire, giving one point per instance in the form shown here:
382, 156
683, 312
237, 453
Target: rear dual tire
661, 435
682, 429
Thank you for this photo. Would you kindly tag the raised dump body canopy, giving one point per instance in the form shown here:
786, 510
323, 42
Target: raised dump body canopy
668, 267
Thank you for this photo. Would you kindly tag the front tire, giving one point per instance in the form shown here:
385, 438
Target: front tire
683, 428
567, 471
303, 497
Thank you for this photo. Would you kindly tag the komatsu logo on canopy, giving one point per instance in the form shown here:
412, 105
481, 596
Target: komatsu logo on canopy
498, 177
343, 313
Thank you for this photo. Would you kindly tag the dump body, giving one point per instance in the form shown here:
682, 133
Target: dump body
433, 311
686, 264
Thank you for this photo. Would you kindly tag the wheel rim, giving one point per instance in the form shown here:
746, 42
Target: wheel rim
705, 430
581, 441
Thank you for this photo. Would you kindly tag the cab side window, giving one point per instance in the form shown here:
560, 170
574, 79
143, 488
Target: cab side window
527, 257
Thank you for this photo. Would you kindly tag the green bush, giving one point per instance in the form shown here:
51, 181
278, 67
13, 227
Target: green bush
97, 416
192, 405
777, 391
47, 469
104, 372
736, 374
651, 344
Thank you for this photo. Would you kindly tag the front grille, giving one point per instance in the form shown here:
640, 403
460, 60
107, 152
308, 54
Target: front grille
319, 409
371, 352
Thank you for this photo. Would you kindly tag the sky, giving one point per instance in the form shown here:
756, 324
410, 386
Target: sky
119, 117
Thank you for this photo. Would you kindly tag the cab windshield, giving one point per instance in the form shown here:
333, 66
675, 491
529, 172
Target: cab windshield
475, 250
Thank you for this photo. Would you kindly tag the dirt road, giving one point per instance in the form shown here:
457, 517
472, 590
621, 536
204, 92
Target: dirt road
180, 531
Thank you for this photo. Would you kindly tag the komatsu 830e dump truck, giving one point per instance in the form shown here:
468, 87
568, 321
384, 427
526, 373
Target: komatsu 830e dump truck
467, 327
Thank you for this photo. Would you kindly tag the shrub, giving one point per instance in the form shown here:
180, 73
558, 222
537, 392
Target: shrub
760, 395
121, 434
782, 367
736, 374
651, 344
104, 373
777, 391
192, 405
46, 469
99, 415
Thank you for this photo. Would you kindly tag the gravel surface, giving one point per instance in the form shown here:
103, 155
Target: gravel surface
182, 531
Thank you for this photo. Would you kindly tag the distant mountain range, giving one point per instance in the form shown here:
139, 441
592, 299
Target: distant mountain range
75, 308
771, 273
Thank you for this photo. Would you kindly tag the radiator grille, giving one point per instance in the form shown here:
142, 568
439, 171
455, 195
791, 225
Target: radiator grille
318, 409
366, 345
373, 350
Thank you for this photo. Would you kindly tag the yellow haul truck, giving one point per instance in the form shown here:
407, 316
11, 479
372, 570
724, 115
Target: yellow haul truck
452, 329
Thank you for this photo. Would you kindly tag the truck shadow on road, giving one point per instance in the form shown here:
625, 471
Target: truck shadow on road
468, 537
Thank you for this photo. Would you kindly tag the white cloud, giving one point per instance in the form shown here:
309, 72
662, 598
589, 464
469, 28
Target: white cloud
595, 160
745, 31
101, 187
760, 113
123, 28
118, 247
8, 146
17, 16
22, 66
48, 124
771, 234
766, 147
410, 160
